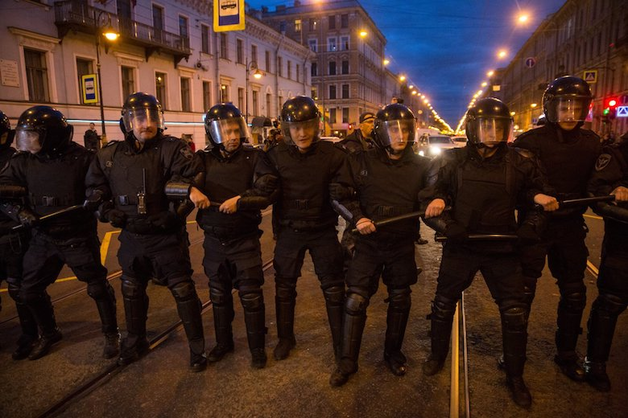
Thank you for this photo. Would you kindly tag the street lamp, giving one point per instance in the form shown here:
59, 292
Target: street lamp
111, 35
257, 74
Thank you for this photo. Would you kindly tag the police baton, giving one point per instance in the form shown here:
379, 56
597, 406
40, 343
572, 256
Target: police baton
585, 201
53, 215
399, 218
482, 237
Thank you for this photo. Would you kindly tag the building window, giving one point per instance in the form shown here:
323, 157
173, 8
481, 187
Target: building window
224, 93
158, 22
223, 46
183, 27
279, 66
345, 91
313, 44
36, 75
297, 25
128, 81
160, 88
289, 63
298, 71
254, 53
185, 94
345, 67
332, 67
241, 99
345, 115
344, 43
314, 69
255, 103
205, 39
313, 24
83, 67
332, 22
239, 51
269, 104
267, 59
282, 26
332, 91
344, 21
314, 93
332, 116
332, 44
207, 95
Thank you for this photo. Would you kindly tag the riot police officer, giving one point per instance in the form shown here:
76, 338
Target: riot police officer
610, 177
387, 180
305, 167
45, 139
229, 214
134, 176
361, 139
483, 182
12, 248
568, 154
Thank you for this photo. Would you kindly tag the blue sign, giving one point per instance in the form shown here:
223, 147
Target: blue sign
90, 85
622, 111
530, 62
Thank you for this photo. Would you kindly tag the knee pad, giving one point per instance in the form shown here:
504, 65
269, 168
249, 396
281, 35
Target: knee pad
284, 291
32, 298
98, 290
443, 308
612, 304
356, 304
252, 301
218, 295
132, 289
184, 291
334, 295
574, 301
400, 299
514, 318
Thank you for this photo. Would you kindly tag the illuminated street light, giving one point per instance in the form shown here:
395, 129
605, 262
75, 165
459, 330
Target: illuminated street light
484, 84
523, 18
502, 54
402, 78
490, 73
386, 61
363, 33
533, 105
111, 35
257, 74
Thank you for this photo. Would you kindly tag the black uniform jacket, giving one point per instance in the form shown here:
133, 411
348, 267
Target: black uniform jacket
611, 171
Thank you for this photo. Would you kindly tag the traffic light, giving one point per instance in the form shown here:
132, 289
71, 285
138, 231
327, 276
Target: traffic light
610, 107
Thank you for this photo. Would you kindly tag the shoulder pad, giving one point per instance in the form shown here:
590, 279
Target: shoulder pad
589, 134
171, 138
523, 152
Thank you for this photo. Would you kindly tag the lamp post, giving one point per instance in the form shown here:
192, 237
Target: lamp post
111, 35
257, 74
363, 34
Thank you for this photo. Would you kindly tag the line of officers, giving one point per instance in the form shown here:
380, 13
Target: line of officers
53, 191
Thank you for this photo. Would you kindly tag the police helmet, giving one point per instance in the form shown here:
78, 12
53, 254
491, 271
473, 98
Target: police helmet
390, 122
488, 122
224, 121
6, 133
300, 112
142, 108
567, 99
42, 129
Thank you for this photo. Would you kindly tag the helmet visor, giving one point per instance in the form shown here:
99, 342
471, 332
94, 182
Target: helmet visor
28, 140
142, 117
222, 130
568, 109
400, 131
492, 131
301, 132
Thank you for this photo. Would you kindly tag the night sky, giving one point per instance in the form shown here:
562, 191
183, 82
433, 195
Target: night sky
446, 47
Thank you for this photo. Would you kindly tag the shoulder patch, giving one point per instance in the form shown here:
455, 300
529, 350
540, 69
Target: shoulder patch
187, 152
602, 161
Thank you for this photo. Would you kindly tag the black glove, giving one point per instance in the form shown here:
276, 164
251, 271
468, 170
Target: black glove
28, 218
117, 218
527, 234
339, 192
267, 184
163, 220
93, 201
456, 232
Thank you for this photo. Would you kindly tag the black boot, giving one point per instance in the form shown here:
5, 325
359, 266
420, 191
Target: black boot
135, 300
285, 301
45, 342
570, 310
106, 303
442, 315
223, 316
397, 319
189, 308
353, 327
515, 338
43, 313
28, 324
132, 348
255, 320
529, 291
334, 302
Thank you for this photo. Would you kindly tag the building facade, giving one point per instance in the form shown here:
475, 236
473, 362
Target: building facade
584, 38
167, 49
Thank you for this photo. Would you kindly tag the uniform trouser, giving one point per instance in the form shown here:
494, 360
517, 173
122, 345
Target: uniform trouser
12, 250
502, 274
395, 263
327, 257
563, 245
612, 284
161, 255
43, 262
236, 263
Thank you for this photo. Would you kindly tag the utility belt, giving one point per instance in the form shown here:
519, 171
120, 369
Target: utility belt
389, 211
143, 226
299, 204
224, 234
50, 201
307, 226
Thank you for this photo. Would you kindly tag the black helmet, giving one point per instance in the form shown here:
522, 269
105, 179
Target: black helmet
140, 108
42, 129
567, 99
223, 121
389, 122
488, 122
300, 112
6, 133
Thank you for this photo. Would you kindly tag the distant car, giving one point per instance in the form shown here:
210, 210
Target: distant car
460, 141
331, 139
432, 146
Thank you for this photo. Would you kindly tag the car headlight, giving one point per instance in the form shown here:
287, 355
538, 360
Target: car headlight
435, 150
422, 153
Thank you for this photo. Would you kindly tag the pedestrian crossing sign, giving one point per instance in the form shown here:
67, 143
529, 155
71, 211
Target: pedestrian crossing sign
590, 76
622, 111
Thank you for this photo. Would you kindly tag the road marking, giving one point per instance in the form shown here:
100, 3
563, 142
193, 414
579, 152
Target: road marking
592, 269
593, 217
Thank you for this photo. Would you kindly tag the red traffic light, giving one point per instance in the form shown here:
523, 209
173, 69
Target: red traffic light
611, 103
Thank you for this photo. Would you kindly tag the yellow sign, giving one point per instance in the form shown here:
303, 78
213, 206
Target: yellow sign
228, 15
590, 76
90, 88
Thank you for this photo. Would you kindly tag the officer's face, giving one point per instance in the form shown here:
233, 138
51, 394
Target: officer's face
569, 114
302, 134
399, 135
144, 129
231, 136
367, 127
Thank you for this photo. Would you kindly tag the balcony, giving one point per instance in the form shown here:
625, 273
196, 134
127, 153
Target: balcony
77, 16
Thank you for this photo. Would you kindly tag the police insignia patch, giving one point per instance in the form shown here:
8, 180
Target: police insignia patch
187, 152
108, 163
602, 162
